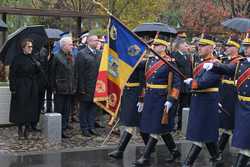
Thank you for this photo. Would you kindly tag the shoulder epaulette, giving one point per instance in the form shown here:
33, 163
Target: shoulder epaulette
242, 58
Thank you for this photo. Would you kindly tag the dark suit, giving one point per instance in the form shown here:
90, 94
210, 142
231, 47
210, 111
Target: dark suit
184, 64
63, 82
87, 64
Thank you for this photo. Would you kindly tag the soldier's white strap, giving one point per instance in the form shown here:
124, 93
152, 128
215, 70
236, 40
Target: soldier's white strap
131, 130
245, 152
197, 143
155, 136
229, 132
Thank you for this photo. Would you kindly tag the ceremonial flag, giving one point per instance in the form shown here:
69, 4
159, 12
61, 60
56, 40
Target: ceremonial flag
120, 57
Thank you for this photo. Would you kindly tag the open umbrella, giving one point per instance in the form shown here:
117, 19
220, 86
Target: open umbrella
238, 24
53, 33
152, 28
3, 26
11, 47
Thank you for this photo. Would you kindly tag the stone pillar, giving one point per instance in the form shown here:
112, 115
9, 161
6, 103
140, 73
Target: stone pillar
52, 127
185, 114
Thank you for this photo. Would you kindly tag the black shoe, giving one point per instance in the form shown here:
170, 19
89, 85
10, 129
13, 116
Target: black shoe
36, 130
118, 153
93, 132
86, 133
75, 119
64, 136
69, 127
97, 125
145, 158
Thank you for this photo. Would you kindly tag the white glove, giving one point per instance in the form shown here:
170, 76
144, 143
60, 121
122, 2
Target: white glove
188, 81
168, 105
208, 66
140, 106
219, 110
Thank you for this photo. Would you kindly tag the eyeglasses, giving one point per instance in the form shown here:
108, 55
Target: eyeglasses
29, 46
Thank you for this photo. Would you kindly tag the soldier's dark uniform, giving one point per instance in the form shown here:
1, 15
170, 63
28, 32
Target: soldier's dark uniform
156, 94
241, 134
129, 117
203, 122
228, 97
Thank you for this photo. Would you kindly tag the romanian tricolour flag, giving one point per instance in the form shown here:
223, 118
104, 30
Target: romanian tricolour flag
121, 55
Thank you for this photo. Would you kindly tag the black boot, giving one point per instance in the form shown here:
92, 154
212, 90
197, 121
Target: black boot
169, 141
145, 158
241, 161
118, 153
192, 155
223, 142
216, 156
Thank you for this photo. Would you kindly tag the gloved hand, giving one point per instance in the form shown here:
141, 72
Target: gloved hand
188, 81
168, 105
140, 106
208, 66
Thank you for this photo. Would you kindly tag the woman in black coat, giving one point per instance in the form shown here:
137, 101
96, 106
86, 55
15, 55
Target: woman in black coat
24, 72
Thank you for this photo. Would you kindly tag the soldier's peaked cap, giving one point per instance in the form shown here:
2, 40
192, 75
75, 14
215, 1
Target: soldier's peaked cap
207, 39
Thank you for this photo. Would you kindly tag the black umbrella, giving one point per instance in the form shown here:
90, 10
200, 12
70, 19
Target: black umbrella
149, 28
11, 47
53, 33
238, 24
3, 26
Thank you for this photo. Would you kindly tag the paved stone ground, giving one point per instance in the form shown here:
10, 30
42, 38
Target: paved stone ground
10, 144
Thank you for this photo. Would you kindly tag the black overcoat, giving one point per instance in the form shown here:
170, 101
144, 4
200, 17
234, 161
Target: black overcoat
23, 77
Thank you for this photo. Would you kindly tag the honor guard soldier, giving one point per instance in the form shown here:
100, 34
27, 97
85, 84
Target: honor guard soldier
129, 116
162, 90
228, 93
203, 122
241, 74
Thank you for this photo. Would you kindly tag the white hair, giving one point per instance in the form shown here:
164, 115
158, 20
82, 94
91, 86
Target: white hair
64, 40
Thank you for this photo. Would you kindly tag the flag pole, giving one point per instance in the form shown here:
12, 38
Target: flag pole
102, 6
110, 132
173, 68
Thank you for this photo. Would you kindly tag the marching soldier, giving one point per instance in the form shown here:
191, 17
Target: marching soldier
228, 94
241, 74
129, 117
157, 103
203, 123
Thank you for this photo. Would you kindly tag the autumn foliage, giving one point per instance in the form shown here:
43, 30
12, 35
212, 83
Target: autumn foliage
202, 16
